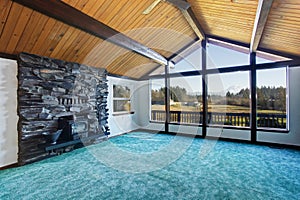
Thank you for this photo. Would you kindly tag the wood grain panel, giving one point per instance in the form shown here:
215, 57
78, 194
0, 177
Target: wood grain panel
19, 29
61, 46
10, 25
164, 29
49, 27
131, 65
28, 31
282, 29
37, 30
78, 43
54, 37
82, 54
127, 15
80, 37
225, 18
50, 30
5, 6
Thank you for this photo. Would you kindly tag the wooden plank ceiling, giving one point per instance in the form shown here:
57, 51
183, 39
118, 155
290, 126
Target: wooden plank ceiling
25, 30
234, 20
282, 31
225, 18
164, 30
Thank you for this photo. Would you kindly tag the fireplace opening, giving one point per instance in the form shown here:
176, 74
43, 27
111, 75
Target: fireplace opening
72, 129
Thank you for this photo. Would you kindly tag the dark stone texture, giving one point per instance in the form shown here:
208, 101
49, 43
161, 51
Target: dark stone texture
49, 89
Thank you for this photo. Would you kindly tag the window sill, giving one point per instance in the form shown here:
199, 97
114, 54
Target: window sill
157, 122
122, 113
228, 127
273, 130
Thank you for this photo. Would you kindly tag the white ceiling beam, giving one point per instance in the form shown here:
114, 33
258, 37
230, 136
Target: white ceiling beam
263, 9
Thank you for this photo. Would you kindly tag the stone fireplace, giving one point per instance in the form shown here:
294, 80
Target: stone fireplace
61, 106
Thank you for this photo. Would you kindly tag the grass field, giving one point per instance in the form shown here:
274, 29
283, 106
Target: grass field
214, 108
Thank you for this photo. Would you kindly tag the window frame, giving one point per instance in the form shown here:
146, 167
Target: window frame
238, 115
150, 101
128, 99
287, 89
283, 64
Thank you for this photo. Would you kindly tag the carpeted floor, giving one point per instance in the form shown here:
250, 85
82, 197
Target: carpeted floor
154, 166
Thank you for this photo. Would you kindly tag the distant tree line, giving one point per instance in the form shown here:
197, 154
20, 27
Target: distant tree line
177, 94
268, 98
271, 98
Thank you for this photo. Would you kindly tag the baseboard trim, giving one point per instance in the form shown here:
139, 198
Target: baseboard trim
9, 166
269, 144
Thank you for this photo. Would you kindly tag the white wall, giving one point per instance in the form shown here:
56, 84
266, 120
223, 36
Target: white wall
229, 133
8, 112
293, 137
143, 108
122, 123
125, 123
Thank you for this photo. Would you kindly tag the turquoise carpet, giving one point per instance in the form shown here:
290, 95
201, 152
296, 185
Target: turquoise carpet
155, 166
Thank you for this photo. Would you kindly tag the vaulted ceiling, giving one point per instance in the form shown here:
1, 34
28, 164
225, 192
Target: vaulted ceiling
116, 35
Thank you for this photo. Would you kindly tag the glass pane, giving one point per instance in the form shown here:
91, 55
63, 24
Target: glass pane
121, 105
186, 100
228, 99
158, 100
191, 62
121, 91
218, 57
271, 98
262, 57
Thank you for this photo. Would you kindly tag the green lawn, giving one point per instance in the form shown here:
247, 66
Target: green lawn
214, 108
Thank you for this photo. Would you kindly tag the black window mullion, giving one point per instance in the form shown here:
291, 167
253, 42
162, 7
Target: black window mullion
167, 98
253, 97
204, 88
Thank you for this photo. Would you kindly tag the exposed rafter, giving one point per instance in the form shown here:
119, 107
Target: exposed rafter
177, 57
191, 19
188, 14
69, 15
182, 5
263, 9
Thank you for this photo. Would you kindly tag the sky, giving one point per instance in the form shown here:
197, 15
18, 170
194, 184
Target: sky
221, 83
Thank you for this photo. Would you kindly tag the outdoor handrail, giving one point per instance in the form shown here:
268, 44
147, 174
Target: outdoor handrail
270, 120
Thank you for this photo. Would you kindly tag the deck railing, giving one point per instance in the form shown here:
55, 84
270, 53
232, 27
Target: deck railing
267, 120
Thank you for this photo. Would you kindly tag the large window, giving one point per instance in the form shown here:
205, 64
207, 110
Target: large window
228, 99
186, 100
262, 57
158, 100
121, 99
219, 57
228, 94
192, 62
272, 98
